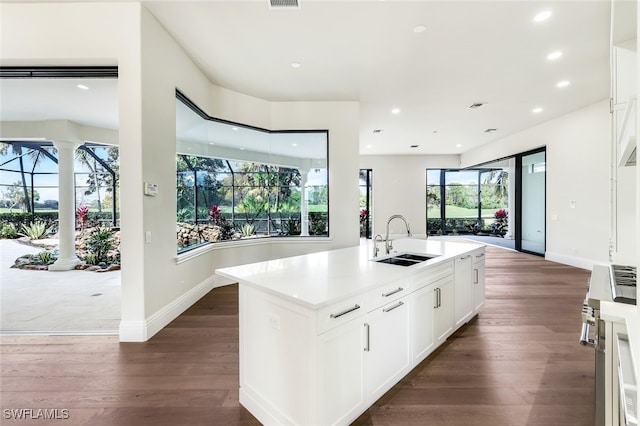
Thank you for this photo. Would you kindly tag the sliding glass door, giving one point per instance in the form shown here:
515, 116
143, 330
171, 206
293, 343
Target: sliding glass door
532, 203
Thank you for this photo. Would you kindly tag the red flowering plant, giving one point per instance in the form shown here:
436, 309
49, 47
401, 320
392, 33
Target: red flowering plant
216, 217
364, 217
83, 216
502, 222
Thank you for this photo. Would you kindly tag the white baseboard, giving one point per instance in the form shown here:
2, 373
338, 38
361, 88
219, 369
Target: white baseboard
578, 262
141, 331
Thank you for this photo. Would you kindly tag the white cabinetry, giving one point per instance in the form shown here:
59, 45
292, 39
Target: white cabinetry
478, 281
443, 309
326, 366
463, 289
422, 305
386, 347
341, 366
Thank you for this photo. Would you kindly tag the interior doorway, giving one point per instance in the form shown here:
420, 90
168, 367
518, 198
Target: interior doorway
42, 106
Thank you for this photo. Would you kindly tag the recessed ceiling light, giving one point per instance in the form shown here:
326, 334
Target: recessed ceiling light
295, 64
82, 86
369, 146
395, 111
241, 148
294, 144
458, 145
419, 29
554, 55
211, 143
563, 83
234, 128
537, 110
542, 16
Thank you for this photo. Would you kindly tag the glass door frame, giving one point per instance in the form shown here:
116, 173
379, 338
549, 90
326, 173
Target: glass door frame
518, 204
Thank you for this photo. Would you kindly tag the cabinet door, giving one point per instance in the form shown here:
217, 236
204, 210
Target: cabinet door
340, 373
422, 304
478, 282
463, 293
443, 309
387, 359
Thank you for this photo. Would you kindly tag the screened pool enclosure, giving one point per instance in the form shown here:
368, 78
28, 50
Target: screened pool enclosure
29, 181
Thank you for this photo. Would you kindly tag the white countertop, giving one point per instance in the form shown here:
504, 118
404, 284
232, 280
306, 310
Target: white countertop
319, 279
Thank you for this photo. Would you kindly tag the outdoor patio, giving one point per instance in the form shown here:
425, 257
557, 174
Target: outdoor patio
62, 302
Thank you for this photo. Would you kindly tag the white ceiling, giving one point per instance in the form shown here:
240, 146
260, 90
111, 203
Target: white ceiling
367, 51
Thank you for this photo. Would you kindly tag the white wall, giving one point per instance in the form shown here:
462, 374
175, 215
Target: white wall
578, 155
155, 288
399, 187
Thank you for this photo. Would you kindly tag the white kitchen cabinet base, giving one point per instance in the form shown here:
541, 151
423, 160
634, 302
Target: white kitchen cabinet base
304, 363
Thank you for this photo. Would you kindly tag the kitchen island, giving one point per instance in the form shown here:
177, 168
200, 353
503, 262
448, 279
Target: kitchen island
324, 335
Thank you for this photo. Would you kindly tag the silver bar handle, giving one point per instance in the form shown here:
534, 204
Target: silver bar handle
475, 276
479, 255
465, 257
435, 293
439, 297
584, 336
366, 346
346, 311
398, 290
391, 308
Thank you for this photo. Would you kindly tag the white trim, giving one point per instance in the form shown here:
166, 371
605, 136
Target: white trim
191, 254
141, 331
578, 262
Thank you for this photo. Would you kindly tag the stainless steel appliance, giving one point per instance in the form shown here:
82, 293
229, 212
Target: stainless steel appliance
607, 283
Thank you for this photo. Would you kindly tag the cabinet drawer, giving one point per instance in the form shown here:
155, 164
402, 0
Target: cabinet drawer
431, 275
341, 312
387, 293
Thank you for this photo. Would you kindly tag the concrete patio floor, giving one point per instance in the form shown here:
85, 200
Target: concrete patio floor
45, 302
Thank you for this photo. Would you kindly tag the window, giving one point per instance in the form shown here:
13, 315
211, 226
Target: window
366, 203
238, 182
466, 201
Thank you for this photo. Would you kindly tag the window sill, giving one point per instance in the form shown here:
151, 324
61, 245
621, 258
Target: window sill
191, 254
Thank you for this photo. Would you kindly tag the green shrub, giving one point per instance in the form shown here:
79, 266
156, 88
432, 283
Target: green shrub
46, 257
35, 230
247, 230
8, 230
100, 242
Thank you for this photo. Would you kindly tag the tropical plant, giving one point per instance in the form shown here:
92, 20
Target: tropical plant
46, 258
99, 243
502, 222
35, 230
247, 230
8, 230
83, 215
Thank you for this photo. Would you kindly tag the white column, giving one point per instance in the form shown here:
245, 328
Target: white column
67, 258
304, 205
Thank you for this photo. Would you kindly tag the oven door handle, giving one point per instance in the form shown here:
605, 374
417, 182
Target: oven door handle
584, 336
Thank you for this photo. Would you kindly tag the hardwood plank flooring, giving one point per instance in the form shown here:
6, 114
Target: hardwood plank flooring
517, 363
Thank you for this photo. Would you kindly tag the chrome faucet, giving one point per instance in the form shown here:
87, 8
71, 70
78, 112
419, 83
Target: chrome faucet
377, 238
388, 244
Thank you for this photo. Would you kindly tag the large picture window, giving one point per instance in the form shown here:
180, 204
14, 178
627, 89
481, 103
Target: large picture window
238, 182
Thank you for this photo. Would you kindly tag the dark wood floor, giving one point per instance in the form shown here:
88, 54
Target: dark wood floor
517, 363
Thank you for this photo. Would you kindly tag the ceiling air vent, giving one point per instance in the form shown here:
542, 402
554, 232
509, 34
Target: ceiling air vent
284, 4
476, 105
376, 131
491, 130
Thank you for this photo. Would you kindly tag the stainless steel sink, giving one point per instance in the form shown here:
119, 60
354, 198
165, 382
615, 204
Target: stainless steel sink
405, 259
